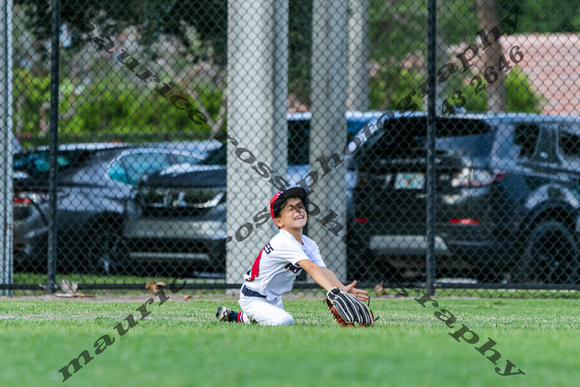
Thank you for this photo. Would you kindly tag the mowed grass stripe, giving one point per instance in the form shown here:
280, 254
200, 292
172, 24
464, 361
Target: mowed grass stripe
180, 344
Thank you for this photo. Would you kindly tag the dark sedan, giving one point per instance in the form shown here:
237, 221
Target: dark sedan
94, 181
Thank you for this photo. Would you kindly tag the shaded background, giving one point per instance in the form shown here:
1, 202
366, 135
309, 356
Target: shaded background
285, 80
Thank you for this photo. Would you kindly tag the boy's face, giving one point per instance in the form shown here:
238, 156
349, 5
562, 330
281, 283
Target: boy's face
293, 215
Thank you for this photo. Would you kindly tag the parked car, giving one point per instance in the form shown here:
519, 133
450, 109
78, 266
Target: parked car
179, 218
507, 197
94, 181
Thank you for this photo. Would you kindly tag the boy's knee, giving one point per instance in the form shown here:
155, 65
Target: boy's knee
288, 320
281, 320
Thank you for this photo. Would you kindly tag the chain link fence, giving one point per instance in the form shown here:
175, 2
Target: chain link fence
440, 141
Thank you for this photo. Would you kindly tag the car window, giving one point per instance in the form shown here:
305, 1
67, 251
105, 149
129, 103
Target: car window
129, 168
216, 157
406, 137
298, 141
299, 138
526, 139
39, 162
183, 159
569, 143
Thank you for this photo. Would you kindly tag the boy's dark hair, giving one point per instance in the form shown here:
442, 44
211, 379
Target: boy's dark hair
285, 203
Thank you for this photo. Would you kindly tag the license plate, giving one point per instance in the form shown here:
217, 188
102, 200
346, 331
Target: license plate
410, 181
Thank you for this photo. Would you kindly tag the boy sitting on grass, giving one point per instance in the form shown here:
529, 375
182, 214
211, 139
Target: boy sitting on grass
279, 263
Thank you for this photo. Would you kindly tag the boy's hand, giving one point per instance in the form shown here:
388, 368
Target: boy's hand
360, 294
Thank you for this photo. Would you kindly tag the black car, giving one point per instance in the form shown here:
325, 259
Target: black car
507, 198
94, 181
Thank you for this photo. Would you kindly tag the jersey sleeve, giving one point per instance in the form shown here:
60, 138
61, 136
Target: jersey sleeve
315, 255
291, 253
287, 251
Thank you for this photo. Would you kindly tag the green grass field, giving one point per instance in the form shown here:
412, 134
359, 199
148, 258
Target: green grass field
180, 344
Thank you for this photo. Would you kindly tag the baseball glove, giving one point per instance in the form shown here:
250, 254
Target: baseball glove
347, 309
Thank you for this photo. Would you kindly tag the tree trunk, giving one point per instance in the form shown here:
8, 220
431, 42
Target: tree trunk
440, 93
488, 20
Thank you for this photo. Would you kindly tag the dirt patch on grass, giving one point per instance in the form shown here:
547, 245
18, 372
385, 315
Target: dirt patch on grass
122, 297
190, 297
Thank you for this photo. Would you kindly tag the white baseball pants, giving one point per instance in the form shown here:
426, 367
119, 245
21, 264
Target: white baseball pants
265, 312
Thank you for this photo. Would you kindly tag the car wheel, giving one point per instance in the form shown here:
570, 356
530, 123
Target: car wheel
105, 250
550, 256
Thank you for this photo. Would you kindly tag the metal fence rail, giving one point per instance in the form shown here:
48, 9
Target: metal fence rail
143, 141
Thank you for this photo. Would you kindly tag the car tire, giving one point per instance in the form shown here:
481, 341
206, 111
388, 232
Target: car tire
105, 250
550, 256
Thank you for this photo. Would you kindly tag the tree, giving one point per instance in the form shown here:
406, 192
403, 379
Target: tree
152, 18
490, 33
194, 29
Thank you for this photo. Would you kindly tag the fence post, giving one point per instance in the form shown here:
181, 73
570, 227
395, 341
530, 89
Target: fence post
6, 148
257, 96
52, 183
358, 92
328, 126
431, 134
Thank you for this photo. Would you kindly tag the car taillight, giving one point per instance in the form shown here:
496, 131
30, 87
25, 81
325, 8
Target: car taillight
360, 220
28, 198
470, 177
464, 221
21, 201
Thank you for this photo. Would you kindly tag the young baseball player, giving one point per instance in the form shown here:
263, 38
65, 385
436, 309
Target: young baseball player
279, 263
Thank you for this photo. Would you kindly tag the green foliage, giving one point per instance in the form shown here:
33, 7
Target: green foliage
299, 48
392, 86
457, 21
153, 18
112, 105
386, 95
520, 95
397, 33
397, 28
127, 108
34, 91
543, 16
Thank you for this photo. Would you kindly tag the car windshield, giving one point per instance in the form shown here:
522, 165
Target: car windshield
39, 162
407, 136
216, 157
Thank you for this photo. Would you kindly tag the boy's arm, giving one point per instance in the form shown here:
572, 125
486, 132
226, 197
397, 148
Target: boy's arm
318, 274
325, 277
332, 278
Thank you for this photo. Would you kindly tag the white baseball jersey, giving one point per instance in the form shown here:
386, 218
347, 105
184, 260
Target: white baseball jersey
275, 269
